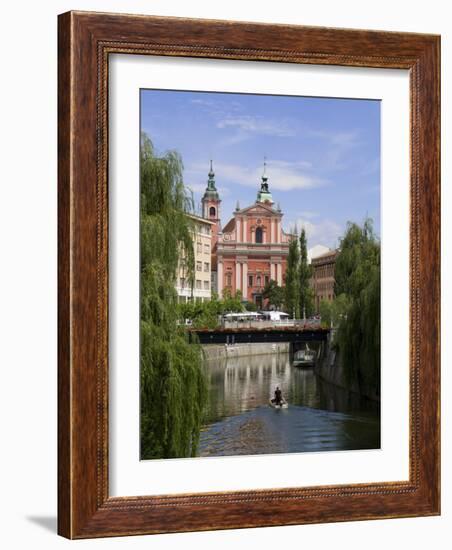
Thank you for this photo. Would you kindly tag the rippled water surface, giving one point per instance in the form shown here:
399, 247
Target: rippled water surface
320, 417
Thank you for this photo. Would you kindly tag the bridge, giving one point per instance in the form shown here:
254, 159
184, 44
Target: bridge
293, 334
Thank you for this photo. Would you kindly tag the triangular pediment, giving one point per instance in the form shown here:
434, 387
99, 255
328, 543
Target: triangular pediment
258, 208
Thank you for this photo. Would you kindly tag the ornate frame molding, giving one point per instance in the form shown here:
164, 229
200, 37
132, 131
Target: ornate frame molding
85, 42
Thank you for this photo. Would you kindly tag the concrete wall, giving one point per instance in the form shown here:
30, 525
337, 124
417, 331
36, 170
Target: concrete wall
223, 351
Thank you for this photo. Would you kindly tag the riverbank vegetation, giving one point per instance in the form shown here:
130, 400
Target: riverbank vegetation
207, 314
173, 388
356, 309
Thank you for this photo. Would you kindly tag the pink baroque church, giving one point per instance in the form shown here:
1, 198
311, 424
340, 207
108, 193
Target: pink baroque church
251, 248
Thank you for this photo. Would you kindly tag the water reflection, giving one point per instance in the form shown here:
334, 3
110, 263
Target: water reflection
320, 416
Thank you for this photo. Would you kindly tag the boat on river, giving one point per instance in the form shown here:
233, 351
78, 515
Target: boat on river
282, 405
304, 358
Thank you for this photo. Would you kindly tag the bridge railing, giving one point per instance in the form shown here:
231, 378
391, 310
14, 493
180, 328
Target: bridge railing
256, 323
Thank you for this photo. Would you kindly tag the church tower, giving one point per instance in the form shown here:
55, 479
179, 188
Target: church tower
264, 194
211, 206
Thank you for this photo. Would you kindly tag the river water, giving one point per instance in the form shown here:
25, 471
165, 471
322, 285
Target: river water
320, 417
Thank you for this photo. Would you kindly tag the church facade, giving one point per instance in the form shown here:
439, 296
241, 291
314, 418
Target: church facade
251, 248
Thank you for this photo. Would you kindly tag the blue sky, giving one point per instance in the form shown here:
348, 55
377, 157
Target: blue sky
323, 155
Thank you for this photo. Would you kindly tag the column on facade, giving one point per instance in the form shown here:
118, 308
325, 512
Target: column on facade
272, 230
237, 230
272, 271
279, 273
237, 276
245, 238
245, 279
220, 279
278, 231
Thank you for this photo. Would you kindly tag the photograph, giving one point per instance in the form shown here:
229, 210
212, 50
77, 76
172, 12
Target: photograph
259, 274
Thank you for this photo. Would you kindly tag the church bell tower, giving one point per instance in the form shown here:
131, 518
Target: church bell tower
211, 205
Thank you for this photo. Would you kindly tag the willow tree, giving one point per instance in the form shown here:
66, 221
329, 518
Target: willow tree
357, 274
292, 286
173, 389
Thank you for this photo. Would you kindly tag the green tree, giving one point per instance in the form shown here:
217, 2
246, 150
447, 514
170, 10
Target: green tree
305, 271
274, 294
326, 313
207, 314
292, 287
173, 388
357, 274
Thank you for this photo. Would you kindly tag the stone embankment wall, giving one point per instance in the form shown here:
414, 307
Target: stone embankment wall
329, 367
223, 351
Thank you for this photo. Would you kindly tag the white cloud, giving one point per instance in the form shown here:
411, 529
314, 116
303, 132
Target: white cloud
326, 232
282, 175
257, 125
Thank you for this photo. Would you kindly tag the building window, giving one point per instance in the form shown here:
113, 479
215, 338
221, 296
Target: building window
250, 280
198, 284
212, 212
266, 279
206, 266
259, 235
258, 280
182, 282
207, 249
198, 248
206, 285
228, 279
198, 266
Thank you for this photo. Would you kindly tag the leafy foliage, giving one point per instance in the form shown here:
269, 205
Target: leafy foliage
305, 274
292, 288
206, 314
274, 294
357, 276
332, 313
173, 388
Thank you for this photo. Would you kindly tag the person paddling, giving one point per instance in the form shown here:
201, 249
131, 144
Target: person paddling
278, 396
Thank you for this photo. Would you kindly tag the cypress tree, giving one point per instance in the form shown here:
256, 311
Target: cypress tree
306, 294
292, 288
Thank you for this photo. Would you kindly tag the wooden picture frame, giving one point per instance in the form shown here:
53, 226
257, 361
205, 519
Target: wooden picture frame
85, 42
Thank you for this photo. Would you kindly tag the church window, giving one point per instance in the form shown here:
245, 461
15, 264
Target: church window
212, 212
228, 279
250, 280
259, 235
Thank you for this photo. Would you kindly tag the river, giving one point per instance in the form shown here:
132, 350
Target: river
320, 417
